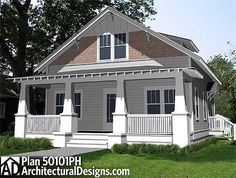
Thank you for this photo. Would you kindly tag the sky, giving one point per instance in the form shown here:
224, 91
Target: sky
210, 24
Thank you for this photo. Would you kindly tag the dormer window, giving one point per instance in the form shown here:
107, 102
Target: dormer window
105, 47
112, 47
120, 45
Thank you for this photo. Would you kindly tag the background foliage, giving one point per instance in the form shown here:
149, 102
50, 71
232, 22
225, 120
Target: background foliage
224, 69
29, 32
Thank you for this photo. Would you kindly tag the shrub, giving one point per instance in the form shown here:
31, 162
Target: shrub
151, 149
155, 149
233, 142
174, 148
197, 146
45, 143
25, 143
134, 148
120, 148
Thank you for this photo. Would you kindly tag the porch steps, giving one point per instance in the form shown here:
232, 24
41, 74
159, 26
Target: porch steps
88, 140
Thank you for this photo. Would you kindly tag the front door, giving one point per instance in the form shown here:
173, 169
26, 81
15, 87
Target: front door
109, 108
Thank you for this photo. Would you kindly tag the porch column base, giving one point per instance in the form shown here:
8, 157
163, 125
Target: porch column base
181, 132
116, 138
119, 123
69, 123
61, 138
20, 125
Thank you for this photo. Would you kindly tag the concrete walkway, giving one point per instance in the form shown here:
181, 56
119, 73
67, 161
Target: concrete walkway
67, 151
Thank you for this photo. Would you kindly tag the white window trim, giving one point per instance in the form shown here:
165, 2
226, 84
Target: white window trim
4, 110
75, 91
113, 48
162, 99
196, 103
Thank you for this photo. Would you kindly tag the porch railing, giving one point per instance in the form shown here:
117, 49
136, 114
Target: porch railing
221, 123
43, 123
149, 123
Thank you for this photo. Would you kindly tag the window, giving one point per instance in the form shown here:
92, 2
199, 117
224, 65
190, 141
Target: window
204, 99
120, 45
169, 98
153, 102
2, 109
59, 102
112, 47
111, 103
196, 100
78, 104
105, 47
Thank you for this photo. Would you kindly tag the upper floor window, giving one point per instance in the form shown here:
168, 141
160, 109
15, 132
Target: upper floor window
105, 47
120, 45
112, 47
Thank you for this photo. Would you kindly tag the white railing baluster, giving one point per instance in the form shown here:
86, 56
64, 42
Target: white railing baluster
43, 123
221, 123
150, 123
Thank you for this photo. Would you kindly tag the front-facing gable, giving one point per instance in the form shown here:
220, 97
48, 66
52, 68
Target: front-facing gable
139, 47
143, 43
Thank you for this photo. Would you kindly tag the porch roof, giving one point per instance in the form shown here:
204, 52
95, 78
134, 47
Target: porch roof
110, 65
101, 76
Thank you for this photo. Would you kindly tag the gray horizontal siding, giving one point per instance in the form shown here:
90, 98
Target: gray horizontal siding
92, 103
174, 62
135, 92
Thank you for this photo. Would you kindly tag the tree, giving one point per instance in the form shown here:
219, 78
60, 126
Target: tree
31, 32
226, 99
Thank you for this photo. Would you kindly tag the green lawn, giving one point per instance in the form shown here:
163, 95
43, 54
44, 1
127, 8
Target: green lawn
216, 160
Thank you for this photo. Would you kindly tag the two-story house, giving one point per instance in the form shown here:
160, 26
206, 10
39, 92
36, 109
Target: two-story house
117, 81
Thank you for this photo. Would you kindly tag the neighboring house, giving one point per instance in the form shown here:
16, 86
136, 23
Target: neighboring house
8, 104
117, 81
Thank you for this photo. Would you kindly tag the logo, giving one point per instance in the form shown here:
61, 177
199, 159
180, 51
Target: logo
10, 166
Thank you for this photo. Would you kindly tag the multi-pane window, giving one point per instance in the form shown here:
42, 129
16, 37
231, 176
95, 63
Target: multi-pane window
78, 104
196, 100
105, 47
120, 45
111, 103
112, 46
169, 99
2, 109
59, 102
153, 102
204, 106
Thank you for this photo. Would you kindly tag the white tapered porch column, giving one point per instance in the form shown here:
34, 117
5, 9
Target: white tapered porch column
180, 115
69, 121
119, 117
68, 116
20, 116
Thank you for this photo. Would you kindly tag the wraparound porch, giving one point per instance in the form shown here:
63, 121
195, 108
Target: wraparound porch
64, 125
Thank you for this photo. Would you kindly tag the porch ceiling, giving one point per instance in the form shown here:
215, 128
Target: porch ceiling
108, 76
